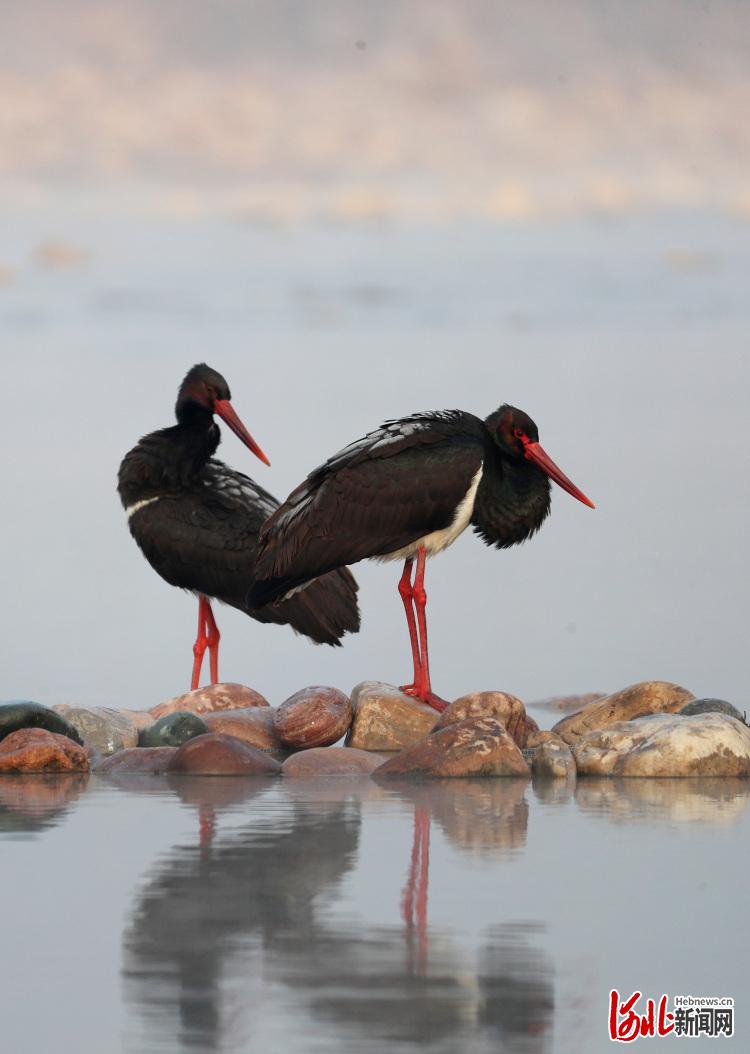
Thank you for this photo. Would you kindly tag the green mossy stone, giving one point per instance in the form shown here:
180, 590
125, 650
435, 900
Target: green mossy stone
173, 730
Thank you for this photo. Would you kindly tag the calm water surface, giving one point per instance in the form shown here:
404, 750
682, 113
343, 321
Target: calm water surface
222, 914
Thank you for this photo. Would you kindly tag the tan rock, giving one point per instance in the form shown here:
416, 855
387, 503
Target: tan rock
313, 717
646, 697
140, 718
218, 755
253, 725
568, 704
478, 746
708, 744
106, 730
535, 739
500, 705
225, 696
330, 761
387, 719
37, 750
142, 760
554, 760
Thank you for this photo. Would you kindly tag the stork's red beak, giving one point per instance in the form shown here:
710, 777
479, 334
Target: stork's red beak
227, 413
536, 453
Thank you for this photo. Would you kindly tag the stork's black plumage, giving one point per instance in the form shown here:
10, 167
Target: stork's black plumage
197, 521
408, 490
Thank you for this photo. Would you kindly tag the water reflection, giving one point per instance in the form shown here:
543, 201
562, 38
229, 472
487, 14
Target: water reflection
31, 804
715, 801
251, 902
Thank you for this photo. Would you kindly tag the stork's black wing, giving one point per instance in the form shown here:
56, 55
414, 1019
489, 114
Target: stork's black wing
205, 538
381, 493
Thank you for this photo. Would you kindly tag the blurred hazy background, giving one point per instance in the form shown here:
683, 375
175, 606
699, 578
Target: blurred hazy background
355, 211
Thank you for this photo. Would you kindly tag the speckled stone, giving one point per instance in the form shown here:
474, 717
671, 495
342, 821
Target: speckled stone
535, 739
554, 760
708, 744
478, 746
172, 730
712, 706
387, 719
501, 705
330, 761
37, 750
218, 755
107, 731
253, 725
225, 696
646, 697
313, 717
141, 760
21, 713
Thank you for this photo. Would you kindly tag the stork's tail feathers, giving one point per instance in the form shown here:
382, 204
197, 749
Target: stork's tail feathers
323, 610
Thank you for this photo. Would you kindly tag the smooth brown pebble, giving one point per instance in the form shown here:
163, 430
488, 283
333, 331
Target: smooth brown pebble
331, 761
646, 697
224, 696
143, 760
253, 725
478, 746
313, 717
216, 754
501, 705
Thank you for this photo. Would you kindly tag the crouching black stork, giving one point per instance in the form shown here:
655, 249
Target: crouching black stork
407, 491
197, 522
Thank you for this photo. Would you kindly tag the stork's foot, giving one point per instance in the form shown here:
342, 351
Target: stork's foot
417, 692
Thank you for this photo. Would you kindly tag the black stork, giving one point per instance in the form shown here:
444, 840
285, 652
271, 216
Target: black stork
197, 522
406, 491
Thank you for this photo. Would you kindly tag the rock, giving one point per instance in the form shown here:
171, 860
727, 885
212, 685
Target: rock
107, 731
253, 725
646, 697
387, 719
535, 739
568, 703
37, 750
555, 760
331, 761
500, 705
213, 697
20, 713
313, 717
172, 730
478, 746
142, 760
712, 706
708, 744
218, 755
531, 727
140, 718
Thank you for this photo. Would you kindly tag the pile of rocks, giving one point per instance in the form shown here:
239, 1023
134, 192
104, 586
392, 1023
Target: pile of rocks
649, 729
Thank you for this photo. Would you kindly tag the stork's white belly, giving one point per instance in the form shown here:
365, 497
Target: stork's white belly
438, 540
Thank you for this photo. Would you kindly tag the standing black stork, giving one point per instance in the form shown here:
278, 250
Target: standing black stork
197, 522
407, 491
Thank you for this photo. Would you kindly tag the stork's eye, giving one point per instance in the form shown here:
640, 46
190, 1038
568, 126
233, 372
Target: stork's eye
519, 433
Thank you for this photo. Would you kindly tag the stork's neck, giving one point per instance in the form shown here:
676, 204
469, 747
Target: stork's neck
169, 460
512, 501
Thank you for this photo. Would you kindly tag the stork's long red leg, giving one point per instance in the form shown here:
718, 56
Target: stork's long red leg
201, 642
407, 595
213, 638
424, 688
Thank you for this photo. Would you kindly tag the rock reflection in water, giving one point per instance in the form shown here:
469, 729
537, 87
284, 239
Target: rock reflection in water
718, 801
32, 803
215, 916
